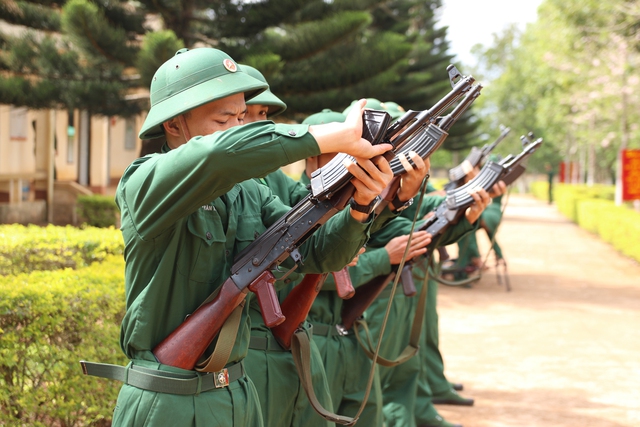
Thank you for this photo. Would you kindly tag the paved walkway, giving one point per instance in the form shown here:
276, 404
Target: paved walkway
562, 348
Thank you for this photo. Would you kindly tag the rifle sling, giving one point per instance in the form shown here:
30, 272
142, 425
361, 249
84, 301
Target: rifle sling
301, 352
226, 339
414, 339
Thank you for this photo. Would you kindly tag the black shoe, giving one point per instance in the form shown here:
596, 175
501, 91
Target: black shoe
451, 397
457, 386
438, 421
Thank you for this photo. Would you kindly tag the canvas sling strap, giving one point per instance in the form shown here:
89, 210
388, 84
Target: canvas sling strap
226, 339
414, 338
301, 352
416, 328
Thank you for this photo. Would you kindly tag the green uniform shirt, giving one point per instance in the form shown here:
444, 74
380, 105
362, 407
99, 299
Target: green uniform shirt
184, 218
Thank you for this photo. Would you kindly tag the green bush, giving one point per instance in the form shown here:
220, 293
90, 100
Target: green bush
98, 211
28, 248
593, 209
617, 225
49, 320
540, 190
567, 197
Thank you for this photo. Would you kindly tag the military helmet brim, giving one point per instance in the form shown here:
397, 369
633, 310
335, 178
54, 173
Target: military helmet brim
194, 87
275, 104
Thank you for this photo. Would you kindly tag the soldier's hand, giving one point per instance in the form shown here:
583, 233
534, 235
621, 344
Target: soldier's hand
412, 180
371, 176
347, 137
481, 201
498, 189
354, 261
396, 246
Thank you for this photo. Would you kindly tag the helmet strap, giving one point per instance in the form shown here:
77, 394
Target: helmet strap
184, 128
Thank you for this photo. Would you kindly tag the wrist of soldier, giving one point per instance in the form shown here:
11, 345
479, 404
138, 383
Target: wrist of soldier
332, 137
359, 216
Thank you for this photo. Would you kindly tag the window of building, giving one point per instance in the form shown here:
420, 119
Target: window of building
18, 123
130, 138
71, 137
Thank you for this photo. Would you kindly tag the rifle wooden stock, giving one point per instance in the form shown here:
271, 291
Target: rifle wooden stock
296, 306
354, 307
188, 342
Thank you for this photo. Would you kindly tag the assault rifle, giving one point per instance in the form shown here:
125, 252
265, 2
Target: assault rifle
447, 213
424, 142
473, 159
251, 271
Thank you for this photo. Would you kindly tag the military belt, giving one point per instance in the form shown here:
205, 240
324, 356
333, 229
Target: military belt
330, 330
165, 382
265, 344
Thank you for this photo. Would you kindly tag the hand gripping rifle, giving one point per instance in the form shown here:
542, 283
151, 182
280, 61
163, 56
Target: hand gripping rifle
447, 213
414, 131
473, 159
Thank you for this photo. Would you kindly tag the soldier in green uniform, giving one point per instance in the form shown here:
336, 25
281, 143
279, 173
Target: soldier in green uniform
269, 366
347, 366
188, 211
283, 401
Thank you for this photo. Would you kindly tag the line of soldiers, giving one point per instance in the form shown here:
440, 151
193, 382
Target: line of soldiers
214, 187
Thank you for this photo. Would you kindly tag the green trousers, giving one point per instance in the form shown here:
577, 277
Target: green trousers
347, 368
234, 406
431, 379
468, 245
399, 383
282, 399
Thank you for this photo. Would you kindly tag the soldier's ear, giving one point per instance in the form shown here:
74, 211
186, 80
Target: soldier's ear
172, 127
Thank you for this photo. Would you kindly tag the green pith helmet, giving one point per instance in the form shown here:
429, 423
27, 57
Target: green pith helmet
394, 110
193, 78
325, 116
494, 158
275, 104
372, 104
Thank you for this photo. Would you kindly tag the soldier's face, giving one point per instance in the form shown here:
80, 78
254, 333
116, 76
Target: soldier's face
255, 113
218, 115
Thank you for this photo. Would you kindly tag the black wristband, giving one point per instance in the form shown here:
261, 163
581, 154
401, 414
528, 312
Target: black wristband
399, 206
366, 209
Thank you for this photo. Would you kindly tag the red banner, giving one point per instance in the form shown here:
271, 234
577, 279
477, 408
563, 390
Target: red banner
630, 174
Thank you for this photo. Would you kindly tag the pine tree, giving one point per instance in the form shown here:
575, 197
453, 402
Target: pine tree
100, 55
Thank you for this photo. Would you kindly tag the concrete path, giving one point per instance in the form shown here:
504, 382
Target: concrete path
562, 348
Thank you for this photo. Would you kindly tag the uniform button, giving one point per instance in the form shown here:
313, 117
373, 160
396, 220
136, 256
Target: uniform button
226, 252
292, 132
209, 235
287, 281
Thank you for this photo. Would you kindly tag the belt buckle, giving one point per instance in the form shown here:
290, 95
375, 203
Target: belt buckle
342, 331
221, 378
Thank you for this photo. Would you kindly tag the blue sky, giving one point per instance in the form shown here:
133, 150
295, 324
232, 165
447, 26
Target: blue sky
474, 21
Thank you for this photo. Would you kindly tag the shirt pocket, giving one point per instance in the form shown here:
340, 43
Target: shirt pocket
202, 255
249, 228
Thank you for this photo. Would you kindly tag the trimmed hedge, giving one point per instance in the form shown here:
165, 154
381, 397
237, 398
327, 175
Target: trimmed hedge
98, 211
593, 209
617, 225
49, 321
29, 248
540, 190
568, 196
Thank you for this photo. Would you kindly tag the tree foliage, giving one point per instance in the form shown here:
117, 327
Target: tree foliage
571, 77
100, 55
